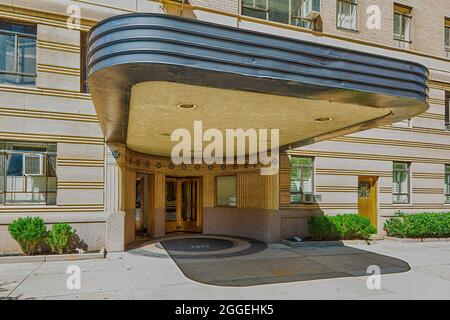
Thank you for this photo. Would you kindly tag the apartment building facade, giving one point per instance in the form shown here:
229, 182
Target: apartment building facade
62, 156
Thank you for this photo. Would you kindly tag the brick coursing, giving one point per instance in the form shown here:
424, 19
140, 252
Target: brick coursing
231, 6
427, 23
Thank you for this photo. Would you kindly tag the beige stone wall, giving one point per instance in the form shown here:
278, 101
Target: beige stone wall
427, 23
56, 111
231, 6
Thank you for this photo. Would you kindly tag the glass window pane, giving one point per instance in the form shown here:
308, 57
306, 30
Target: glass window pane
296, 15
7, 52
15, 184
16, 79
25, 198
306, 179
254, 8
19, 28
33, 164
279, 11
171, 201
397, 24
447, 37
51, 184
296, 198
25, 167
301, 178
226, 191
260, 4
2, 173
254, 13
17, 54
296, 8
51, 198
51, 165
447, 184
401, 199
26, 55
36, 184
406, 27
400, 182
346, 15
400, 166
14, 164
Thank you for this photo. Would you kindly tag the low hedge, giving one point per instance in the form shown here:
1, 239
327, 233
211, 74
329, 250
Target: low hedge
421, 225
31, 233
340, 227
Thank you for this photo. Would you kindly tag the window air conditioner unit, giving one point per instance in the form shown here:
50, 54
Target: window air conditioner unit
308, 198
34, 164
310, 9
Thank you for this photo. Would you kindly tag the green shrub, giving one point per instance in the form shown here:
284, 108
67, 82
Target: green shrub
28, 232
59, 237
340, 227
421, 225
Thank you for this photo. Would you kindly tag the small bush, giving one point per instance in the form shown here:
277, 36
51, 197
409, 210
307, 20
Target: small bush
29, 232
421, 225
59, 237
340, 227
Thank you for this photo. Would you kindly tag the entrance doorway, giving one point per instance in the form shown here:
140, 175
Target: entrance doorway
183, 210
143, 205
368, 198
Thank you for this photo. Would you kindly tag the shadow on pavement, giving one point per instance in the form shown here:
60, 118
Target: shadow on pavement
259, 264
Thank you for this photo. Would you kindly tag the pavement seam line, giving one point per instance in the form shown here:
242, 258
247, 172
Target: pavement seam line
9, 294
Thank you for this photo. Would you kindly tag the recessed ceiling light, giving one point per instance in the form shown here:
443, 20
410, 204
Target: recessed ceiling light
324, 119
186, 106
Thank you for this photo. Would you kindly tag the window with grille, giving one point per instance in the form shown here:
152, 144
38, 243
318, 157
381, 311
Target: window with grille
27, 173
447, 111
447, 183
17, 54
447, 37
84, 62
401, 182
226, 191
402, 26
302, 180
346, 14
282, 11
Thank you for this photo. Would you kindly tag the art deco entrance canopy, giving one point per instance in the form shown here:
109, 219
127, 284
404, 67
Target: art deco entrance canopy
152, 73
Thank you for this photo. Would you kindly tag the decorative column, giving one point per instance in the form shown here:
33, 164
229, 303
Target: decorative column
115, 167
159, 184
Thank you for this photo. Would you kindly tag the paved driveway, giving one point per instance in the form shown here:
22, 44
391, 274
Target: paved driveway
156, 276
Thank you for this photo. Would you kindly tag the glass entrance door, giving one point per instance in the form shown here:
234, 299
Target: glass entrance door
183, 205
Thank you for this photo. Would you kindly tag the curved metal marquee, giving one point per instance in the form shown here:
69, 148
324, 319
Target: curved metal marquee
129, 49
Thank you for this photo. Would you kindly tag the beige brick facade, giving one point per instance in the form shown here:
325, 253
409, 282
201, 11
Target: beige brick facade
56, 111
231, 6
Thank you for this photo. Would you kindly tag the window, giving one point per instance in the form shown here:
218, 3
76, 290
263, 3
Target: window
400, 181
447, 183
283, 11
17, 54
402, 26
447, 37
27, 173
302, 172
226, 191
346, 14
84, 62
447, 111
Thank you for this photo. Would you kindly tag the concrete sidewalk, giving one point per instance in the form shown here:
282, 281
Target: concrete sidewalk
130, 276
